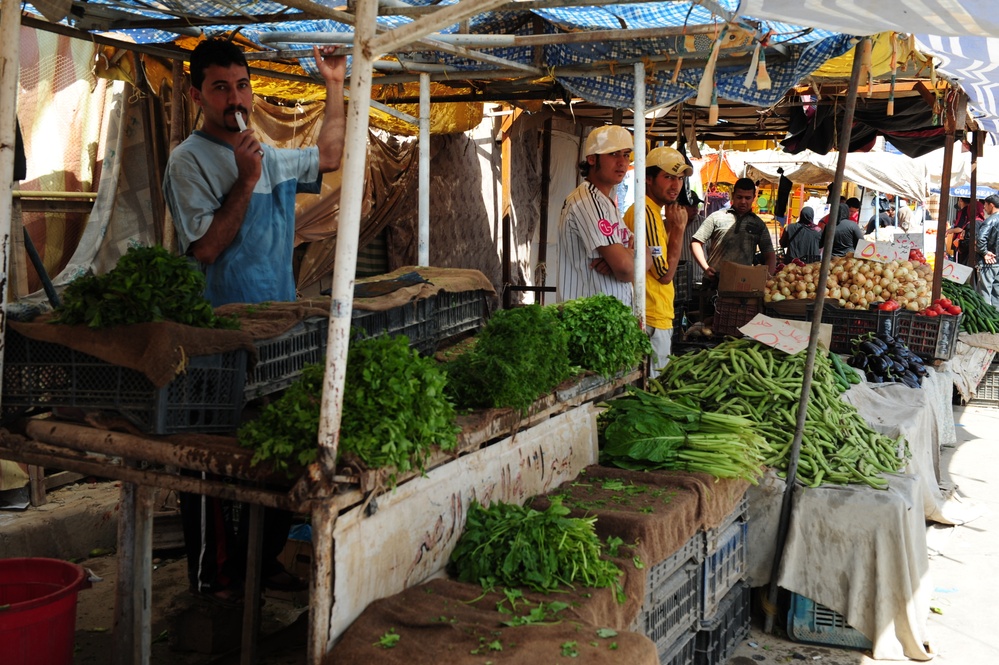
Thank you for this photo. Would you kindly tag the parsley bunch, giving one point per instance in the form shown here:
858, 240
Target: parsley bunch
518, 356
604, 335
510, 545
394, 410
148, 284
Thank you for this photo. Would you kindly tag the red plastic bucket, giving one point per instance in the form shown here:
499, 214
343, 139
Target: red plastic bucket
38, 610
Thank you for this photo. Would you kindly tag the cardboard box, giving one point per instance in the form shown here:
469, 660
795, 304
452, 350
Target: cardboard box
739, 280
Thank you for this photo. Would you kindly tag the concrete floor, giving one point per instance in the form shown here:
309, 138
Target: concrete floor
964, 628
964, 625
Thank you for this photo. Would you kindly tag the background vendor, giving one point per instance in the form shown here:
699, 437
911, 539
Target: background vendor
733, 234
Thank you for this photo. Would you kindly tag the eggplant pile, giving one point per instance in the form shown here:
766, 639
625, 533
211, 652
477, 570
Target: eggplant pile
883, 359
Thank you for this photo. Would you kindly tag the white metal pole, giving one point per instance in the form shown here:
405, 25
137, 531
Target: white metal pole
341, 302
423, 242
639, 172
10, 26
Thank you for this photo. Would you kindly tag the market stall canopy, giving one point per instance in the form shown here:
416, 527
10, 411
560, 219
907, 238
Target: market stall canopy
540, 52
960, 175
879, 171
970, 61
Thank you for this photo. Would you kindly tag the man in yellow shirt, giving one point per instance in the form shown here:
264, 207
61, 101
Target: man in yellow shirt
665, 220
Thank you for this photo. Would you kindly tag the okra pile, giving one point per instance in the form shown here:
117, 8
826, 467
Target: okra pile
746, 378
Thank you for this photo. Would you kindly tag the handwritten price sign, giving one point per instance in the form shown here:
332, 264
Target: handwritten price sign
907, 241
778, 333
956, 272
880, 251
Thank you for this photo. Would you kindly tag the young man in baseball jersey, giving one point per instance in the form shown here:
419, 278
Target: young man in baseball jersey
594, 246
665, 169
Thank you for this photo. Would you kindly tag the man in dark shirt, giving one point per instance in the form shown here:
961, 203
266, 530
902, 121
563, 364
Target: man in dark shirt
847, 233
881, 220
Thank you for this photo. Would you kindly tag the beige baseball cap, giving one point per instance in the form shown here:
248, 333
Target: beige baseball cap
607, 139
670, 161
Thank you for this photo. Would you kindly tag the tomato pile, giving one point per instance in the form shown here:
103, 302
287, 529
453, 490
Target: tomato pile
916, 256
940, 307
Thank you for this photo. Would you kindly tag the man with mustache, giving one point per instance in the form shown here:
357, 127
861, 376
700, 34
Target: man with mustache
233, 203
665, 221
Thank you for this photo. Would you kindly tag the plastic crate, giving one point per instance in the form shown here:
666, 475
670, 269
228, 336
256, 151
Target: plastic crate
280, 359
719, 636
460, 312
682, 283
660, 573
206, 397
414, 320
681, 652
811, 623
929, 337
849, 324
713, 538
723, 568
670, 609
987, 393
733, 312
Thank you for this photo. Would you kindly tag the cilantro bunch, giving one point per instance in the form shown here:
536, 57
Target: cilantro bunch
604, 335
521, 354
148, 284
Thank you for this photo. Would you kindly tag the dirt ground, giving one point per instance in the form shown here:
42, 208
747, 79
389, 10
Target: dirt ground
181, 622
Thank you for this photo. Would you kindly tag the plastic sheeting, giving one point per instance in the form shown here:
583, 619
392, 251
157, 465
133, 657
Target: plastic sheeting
880, 171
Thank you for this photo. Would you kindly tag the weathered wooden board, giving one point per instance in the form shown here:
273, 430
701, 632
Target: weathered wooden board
411, 535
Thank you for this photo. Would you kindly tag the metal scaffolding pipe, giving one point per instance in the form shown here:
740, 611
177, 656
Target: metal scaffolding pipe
423, 238
638, 124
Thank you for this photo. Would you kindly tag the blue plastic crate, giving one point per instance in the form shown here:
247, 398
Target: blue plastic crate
723, 568
812, 623
207, 396
280, 359
718, 637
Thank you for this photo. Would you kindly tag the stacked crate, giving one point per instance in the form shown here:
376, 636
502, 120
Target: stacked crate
671, 606
724, 606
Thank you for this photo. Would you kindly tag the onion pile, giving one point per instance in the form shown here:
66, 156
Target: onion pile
856, 283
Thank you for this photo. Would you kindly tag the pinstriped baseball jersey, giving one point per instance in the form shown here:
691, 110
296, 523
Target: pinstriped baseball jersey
589, 220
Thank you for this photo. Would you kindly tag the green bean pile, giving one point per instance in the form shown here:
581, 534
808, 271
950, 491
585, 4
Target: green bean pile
745, 378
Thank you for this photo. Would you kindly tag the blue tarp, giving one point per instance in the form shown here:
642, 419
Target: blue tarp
807, 48
972, 62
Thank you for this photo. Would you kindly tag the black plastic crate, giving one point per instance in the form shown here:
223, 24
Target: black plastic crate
812, 623
849, 324
682, 283
733, 312
460, 312
414, 320
681, 652
206, 397
280, 359
718, 636
929, 337
670, 609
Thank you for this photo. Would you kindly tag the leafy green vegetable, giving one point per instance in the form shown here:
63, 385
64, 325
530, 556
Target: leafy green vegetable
148, 284
394, 410
518, 546
604, 335
569, 649
389, 639
644, 431
521, 354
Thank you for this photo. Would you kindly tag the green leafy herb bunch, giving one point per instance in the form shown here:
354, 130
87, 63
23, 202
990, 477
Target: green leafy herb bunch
604, 335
